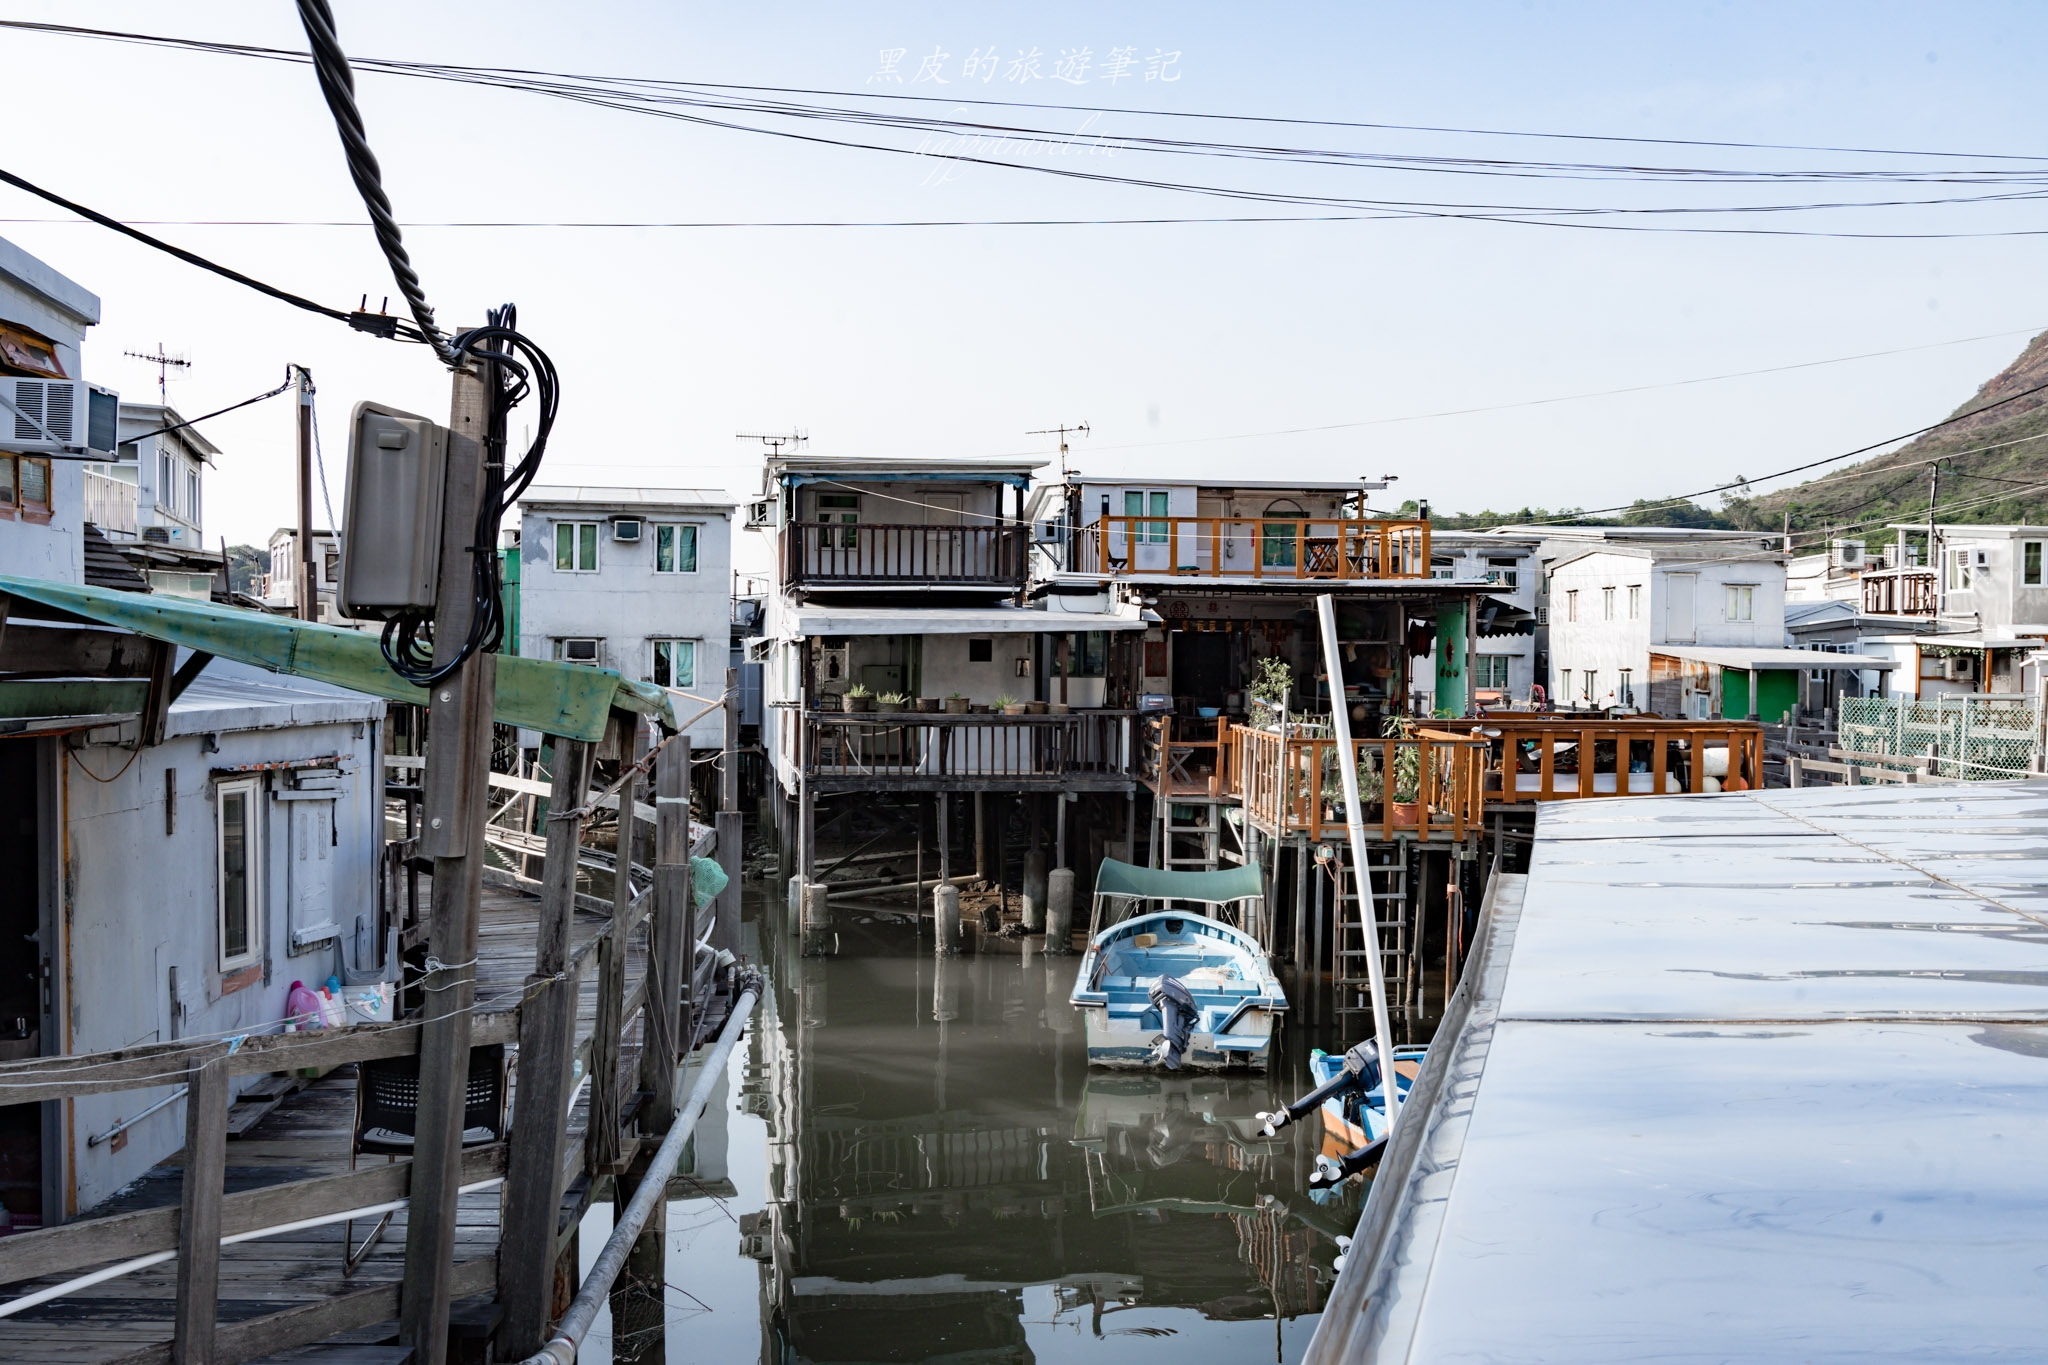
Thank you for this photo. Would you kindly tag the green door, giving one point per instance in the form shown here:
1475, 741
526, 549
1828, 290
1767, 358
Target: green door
1735, 694
1777, 692
1453, 695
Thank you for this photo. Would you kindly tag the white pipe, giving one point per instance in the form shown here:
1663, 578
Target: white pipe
123, 1125
1354, 825
58, 1291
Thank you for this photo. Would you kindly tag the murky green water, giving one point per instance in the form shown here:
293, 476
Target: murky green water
911, 1161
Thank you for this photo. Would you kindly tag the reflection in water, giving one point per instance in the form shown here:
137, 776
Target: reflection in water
946, 1179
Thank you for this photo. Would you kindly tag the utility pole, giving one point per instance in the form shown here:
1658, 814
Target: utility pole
1933, 555
459, 718
308, 579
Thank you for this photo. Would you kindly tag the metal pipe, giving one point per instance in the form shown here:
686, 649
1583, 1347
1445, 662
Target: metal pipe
1354, 825
124, 1125
561, 1348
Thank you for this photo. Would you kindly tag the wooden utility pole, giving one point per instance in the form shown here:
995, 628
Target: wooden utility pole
308, 586
459, 712
731, 824
604, 1146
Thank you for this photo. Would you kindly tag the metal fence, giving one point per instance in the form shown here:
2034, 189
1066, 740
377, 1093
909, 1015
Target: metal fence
1974, 738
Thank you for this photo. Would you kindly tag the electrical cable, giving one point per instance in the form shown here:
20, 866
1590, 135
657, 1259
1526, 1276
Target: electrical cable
221, 412
338, 85
320, 461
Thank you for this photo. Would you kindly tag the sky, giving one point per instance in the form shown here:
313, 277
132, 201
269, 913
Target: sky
1327, 349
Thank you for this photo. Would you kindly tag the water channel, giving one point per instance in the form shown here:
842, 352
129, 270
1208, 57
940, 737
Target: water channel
910, 1161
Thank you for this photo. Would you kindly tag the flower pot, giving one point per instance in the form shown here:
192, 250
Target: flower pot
1407, 814
856, 703
980, 708
1034, 708
928, 705
1060, 708
1017, 708
957, 706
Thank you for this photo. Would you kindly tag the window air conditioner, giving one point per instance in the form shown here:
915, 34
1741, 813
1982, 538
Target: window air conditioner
1543, 616
761, 512
1958, 668
626, 530
1982, 559
57, 417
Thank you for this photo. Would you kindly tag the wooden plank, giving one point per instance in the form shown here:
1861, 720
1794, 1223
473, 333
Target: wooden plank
206, 1154
122, 1236
611, 983
660, 1049
73, 652
547, 1038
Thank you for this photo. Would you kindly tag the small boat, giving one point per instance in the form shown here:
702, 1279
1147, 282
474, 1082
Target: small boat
1171, 987
1356, 1116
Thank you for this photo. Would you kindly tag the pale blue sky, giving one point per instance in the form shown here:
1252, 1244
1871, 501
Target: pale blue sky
957, 340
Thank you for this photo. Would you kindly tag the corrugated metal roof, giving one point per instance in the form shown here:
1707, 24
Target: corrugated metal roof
1742, 656
1757, 1077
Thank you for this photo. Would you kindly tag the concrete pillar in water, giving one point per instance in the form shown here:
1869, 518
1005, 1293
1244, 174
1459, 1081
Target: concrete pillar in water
1034, 890
1059, 910
946, 919
796, 903
817, 910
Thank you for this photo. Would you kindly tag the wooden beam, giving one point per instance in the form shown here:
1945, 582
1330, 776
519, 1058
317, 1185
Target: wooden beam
199, 1199
547, 1040
30, 651
611, 979
669, 947
156, 706
188, 672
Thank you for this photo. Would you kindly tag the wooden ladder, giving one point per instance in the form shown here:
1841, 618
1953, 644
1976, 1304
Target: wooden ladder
1387, 879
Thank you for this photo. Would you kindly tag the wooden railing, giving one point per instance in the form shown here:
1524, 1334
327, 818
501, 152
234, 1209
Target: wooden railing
539, 1158
1255, 547
925, 751
878, 553
1188, 758
1295, 785
1564, 758
1898, 592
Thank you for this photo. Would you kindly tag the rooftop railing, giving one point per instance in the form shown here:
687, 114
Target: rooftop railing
1255, 547
881, 554
1899, 592
930, 751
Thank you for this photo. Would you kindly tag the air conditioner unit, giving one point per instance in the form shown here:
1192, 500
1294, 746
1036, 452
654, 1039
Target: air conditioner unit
626, 530
1958, 668
761, 512
1052, 532
1543, 616
1982, 559
57, 417
1849, 554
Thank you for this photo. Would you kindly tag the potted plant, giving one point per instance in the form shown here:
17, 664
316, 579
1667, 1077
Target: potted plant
1034, 708
857, 698
1406, 793
956, 704
1060, 708
927, 704
1010, 706
1273, 683
891, 701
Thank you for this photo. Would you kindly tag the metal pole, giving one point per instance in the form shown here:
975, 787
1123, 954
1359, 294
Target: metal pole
561, 1348
308, 580
1354, 824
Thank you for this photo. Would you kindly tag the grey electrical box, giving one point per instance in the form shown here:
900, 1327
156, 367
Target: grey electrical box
391, 538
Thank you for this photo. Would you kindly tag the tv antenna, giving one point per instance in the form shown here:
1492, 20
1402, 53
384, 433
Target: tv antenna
774, 443
165, 362
1079, 429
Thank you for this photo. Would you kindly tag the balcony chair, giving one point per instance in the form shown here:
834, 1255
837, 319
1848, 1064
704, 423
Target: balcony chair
387, 1112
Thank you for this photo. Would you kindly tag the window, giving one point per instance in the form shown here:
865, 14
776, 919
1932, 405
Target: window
1443, 566
1625, 690
675, 663
29, 353
577, 651
332, 570
238, 840
2030, 563
166, 487
1087, 653
1607, 604
192, 496
1958, 570
981, 651
1635, 601
575, 547
841, 509
1491, 672
1587, 682
1820, 675
25, 487
1741, 602
1564, 682
1504, 571
1571, 605
1153, 532
675, 549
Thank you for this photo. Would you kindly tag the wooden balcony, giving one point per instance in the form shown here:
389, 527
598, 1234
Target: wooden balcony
1898, 592
882, 555
1188, 759
923, 751
1295, 786
1546, 757
1256, 548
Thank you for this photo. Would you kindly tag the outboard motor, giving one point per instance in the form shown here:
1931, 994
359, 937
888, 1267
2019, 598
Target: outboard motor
1177, 1015
1361, 1074
1336, 1170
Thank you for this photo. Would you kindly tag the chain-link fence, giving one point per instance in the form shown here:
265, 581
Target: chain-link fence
1974, 738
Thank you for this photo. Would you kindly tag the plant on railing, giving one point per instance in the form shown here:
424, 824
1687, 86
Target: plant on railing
858, 698
1273, 682
1407, 760
892, 701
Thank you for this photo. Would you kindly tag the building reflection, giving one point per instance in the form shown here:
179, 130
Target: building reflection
937, 1146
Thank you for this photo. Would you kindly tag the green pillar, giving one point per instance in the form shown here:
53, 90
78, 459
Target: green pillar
1453, 692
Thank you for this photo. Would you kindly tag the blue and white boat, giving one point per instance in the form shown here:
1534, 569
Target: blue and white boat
1356, 1114
1172, 987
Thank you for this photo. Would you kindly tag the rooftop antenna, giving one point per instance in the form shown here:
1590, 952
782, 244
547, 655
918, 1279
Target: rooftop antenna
774, 443
165, 362
1080, 429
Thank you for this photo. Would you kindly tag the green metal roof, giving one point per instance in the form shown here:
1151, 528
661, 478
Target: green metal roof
570, 700
1113, 878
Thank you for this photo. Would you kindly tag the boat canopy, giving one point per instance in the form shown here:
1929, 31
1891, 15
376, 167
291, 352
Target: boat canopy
1221, 887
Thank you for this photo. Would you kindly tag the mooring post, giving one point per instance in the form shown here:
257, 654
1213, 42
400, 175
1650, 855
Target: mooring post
730, 823
547, 1045
668, 954
946, 896
1059, 911
603, 1146
1034, 872
1300, 904
199, 1196
818, 935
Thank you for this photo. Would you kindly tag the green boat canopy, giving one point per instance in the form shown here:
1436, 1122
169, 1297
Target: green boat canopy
570, 700
1221, 887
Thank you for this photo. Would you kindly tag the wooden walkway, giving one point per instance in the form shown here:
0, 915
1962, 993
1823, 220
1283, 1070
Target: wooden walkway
131, 1318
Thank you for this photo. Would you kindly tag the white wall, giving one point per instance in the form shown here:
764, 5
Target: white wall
35, 296
140, 900
626, 605
1607, 647
1996, 598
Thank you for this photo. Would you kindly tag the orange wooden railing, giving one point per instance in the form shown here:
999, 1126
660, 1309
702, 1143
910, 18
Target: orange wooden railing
1525, 747
1293, 786
1255, 547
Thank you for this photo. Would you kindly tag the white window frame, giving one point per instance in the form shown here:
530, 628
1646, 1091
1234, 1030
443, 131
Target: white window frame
1625, 689
1738, 601
1635, 601
1571, 605
1488, 665
1503, 570
596, 643
1590, 679
1154, 511
576, 529
1564, 684
1959, 570
676, 528
2039, 568
250, 789
654, 645
1607, 604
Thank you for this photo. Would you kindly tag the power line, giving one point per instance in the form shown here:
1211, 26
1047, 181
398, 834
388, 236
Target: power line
219, 412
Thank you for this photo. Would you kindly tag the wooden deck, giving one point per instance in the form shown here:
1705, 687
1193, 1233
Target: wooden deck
306, 1136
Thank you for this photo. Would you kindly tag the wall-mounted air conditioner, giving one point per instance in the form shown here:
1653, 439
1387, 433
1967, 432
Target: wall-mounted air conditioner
1543, 616
57, 417
1958, 668
626, 530
1982, 559
761, 512
1848, 554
